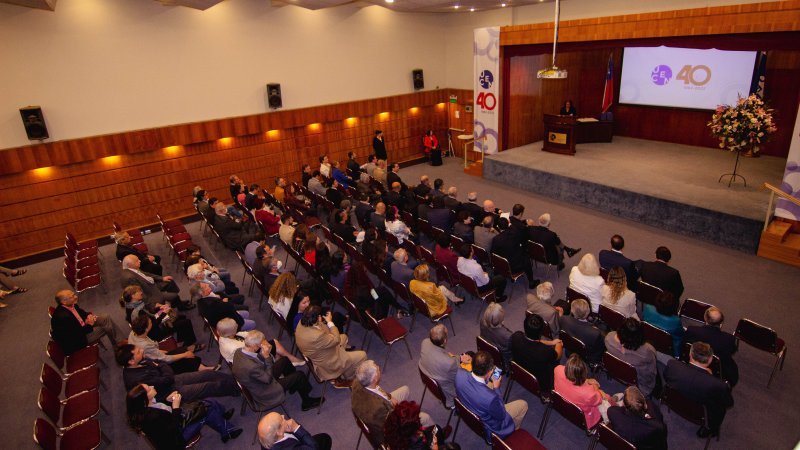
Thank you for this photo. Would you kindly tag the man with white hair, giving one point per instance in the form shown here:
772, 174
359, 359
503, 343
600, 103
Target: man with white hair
539, 303
472, 207
276, 432
197, 273
158, 290
214, 308
578, 327
230, 341
424, 186
490, 210
553, 247
450, 201
268, 379
372, 404
439, 364
234, 233
401, 272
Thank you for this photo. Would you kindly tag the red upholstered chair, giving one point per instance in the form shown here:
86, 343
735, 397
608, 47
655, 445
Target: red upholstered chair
469, 285
567, 410
433, 386
422, 308
647, 293
610, 439
659, 338
688, 409
364, 431
323, 382
389, 330
537, 253
762, 338
80, 360
482, 344
694, 310
525, 379
518, 440
610, 317
71, 411
78, 383
471, 419
503, 268
86, 436
619, 370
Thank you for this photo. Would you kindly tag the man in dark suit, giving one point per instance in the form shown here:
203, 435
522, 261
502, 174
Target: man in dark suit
378, 217
473, 208
661, 275
213, 308
157, 290
723, 344
614, 258
552, 244
395, 198
363, 211
695, 381
479, 392
401, 271
535, 353
440, 216
233, 233
639, 421
275, 432
578, 327
73, 328
352, 165
424, 186
268, 380
509, 245
394, 177
450, 200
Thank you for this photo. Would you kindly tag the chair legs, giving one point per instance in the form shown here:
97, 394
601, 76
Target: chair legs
450, 319
322, 399
779, 360
424, 391
543, 424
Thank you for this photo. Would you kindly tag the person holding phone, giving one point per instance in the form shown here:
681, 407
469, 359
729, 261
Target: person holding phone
479, 392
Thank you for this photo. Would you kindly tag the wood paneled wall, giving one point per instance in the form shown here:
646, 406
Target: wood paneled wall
747, 18
84, 185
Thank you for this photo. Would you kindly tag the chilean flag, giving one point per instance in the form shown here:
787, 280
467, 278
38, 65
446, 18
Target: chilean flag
608, 93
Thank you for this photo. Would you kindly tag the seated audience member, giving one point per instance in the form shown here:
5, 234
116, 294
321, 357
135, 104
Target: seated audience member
490, 210
282, 292
424, 186
136, 369
325, 166
439, 364
639, 421
451, 199
723, 344
572, 382
237, 186
393, 176
320, 341
397, 227
157, 290
230, 341
280, 189
352, 164
471, 268
424, 207
496, 332
165, 425
364, 209
403, 429
552, 244
317, 184
300, 303
539, 303
73, 328
235, 234
614, 258
378, 217
306, 174
472, 207
578, 327
395, 198
509, 244
664, 315
270, 222
372, 404
379, 173
268, 379
463, 228
661, 275
221, 272
251, 198
401, 272
276, 432
166, 322
438, 188
286, 231
337, 272
628, 344
370, 165
617, 296
479, 391
213, 308
434, 296
149, 263
445, 255
197, 273
202, 201
358, 289
249, 252
484, 233
695, 381
535, 353
441, 216
342, 227
266, 267
181, 359
585, 278
334, 194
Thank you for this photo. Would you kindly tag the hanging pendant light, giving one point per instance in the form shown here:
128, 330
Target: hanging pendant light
553, 72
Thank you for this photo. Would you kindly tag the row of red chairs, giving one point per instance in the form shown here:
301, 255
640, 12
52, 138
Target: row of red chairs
176, 236
81, 264
137, 238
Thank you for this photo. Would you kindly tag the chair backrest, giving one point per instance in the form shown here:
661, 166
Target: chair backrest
481, 255
365, 429
759, 336
372, 323
51, 379
392, 240
433, 386
456, 243
612, 318
248, 397
56, 354
501, 265
419, 304
472, 420
688, 409
568, 410
611, 440
472, 287
312, 370
537, 253
282, 322
525, 379
647, 293
573, 344
604, 273
572, 294
426, 254
49, 404
44, 434
694, 310
411, 249
518, 440
620, 370
659, 338
490, 348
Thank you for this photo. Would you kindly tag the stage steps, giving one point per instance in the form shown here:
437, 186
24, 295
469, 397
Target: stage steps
475, 169
780, 243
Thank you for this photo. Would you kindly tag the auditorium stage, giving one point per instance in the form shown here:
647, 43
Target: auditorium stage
670, 186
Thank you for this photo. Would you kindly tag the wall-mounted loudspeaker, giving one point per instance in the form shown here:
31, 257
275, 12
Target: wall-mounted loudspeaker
33, 120
274, 99
418, 79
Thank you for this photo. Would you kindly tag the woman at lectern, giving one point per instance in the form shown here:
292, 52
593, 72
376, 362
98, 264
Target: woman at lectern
568, 109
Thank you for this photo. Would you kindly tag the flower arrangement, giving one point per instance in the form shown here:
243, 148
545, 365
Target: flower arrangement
743, 126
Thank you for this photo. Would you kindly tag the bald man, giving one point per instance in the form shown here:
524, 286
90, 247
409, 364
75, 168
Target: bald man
275, 432
424, 186
74, 328
723, 343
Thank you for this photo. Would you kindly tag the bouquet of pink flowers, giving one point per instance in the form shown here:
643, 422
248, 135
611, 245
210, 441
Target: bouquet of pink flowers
742, 126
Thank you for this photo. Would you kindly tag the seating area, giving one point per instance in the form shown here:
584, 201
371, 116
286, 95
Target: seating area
79, 373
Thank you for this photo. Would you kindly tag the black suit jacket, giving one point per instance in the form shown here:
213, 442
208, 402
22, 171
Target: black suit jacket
588, 334
214, 310
451, 203
549, 240
474, 210
379, 147
610, 259
702, 387
67, 331
352, 166
441, 218
232, 232
304, 441
164, 428
724, 345
147, 266
508, 245
422, 190
156, 374
645, 434
663, 276
363, 211
392, 177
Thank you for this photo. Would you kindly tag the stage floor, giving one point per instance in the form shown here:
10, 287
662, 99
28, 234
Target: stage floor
680, 173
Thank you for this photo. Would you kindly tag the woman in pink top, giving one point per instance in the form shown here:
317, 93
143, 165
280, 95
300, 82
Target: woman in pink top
572, 383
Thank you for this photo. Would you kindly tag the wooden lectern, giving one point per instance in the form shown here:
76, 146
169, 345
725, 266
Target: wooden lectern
559, 134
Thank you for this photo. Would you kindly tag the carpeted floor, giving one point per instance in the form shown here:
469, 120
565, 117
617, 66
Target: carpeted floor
742, 285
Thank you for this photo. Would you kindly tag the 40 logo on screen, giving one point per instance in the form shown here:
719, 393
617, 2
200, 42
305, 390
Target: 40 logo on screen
486, 100
698, 75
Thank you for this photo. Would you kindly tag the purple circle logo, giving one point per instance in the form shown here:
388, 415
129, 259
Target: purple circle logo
661, 75
486, 79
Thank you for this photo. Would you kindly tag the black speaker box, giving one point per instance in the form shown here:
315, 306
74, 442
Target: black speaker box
33, 120
418, 79
274, 95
